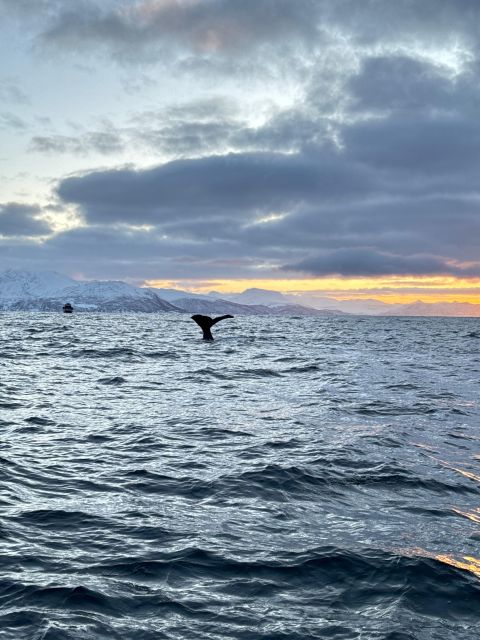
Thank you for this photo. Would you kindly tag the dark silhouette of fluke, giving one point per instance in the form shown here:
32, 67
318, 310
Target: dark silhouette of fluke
206, 323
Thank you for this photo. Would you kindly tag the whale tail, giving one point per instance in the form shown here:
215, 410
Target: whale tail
206, 323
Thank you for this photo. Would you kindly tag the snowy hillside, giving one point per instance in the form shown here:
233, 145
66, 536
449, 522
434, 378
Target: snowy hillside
22, 285
257, 296
309, 300
49, 291
218, 307
171, 295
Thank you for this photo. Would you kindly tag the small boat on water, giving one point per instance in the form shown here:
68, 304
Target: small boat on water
67, 308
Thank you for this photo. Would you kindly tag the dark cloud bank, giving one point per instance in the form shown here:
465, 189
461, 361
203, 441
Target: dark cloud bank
390, 187
19, 220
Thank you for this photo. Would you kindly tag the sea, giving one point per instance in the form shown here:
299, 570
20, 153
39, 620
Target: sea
299, 477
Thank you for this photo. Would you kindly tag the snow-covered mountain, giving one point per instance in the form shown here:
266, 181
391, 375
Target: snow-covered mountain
359, 307
115, 296
23, 285
217, 307
255, 296
171, 295
49, 291
310, 300
100, 296
301, 310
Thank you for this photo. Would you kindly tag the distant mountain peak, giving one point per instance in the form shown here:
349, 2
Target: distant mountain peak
18, 284
439, 309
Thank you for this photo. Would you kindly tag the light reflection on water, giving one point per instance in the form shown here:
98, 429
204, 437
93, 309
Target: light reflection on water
468, 563
474, 515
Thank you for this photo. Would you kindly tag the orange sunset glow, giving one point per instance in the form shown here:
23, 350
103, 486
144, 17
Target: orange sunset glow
391, 289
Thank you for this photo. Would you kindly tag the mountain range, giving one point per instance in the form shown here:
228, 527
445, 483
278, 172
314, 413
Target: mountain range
419, 308
49, 291
358, 307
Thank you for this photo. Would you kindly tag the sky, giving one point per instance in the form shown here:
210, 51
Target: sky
329, 146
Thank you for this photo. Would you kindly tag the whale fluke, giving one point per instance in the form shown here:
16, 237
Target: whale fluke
206, 323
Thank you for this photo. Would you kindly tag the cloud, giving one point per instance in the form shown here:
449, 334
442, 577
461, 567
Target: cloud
121, 252
400, 185
211, 186
22, 220
143, 29
11, 92
277, 40
102, 142
400, 82
12, 121
190, 130
366, 262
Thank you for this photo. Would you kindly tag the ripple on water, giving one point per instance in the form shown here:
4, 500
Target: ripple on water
319, 479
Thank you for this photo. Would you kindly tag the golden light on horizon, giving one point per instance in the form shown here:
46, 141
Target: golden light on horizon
392, 289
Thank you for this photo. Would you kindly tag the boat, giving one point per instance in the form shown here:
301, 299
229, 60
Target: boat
67, 308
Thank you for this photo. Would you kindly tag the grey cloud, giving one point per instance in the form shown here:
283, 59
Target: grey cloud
366, 262
182, 130
190, 139
22, 220
103, 142
428, 126
252, 37
143, 29
121, 252
134, 30
12, 121
398, 82
435, 225
202, 110
217, 126
420, 108
11, 92
211, 186
437, 22
190, 129
332, 199
24, 7
403, 185
429, 146
425, 238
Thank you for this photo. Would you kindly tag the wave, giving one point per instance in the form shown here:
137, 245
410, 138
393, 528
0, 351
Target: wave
113, 353
239, 374
114, 381
275, 482
361, 579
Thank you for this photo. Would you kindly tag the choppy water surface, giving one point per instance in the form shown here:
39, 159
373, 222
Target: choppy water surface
298, 478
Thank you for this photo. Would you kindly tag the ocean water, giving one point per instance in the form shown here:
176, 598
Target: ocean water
297, 478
